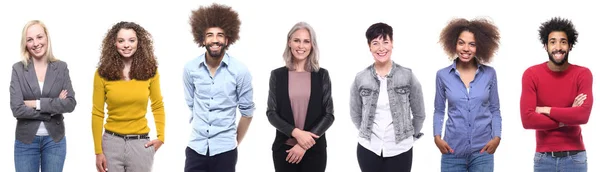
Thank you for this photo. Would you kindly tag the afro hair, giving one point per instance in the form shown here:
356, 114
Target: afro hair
561, 25
486, 34
215, 15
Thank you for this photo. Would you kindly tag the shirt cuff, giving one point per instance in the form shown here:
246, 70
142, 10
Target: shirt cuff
37, 105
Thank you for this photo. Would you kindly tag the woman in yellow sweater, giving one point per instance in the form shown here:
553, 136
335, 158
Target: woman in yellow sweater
126, 77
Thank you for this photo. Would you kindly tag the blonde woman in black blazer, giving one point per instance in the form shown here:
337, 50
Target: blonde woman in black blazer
300, 106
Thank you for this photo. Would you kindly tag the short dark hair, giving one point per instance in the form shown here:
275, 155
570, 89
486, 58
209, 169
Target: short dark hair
379, 30
561, 25
487, 37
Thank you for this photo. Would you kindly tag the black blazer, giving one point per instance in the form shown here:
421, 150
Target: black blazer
319, 115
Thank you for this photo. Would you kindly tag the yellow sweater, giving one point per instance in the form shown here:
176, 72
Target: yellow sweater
127, 104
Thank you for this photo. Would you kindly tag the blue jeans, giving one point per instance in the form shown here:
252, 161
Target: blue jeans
571, 163
43, 151
476, 162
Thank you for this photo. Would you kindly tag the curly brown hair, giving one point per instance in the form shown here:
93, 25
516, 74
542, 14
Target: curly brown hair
143, 66
215, 15
487, 37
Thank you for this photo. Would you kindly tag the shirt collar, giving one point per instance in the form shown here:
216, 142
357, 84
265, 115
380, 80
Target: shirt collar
224, 61
453, 66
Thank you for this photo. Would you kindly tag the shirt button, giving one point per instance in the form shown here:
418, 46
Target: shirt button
211, 98
207, 131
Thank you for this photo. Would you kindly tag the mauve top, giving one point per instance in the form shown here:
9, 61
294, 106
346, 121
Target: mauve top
299, 91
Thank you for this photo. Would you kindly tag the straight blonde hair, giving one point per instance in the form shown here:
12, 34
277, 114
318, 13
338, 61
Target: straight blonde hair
312, 62
25, 56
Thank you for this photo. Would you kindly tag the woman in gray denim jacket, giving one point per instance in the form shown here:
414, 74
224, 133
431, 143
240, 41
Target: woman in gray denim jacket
388, 123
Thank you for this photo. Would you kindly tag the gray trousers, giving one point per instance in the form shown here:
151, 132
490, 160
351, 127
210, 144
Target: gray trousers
127, 155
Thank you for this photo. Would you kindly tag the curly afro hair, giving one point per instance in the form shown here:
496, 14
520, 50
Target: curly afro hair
560, 25
143, 66
487, 37
215, 15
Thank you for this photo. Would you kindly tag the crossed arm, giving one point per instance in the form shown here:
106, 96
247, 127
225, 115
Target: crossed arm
546, 118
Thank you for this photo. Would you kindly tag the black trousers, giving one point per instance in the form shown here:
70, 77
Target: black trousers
371, 162
312, 161
224, 162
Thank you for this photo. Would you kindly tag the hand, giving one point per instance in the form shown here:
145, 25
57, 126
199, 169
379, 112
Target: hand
101, 163
542, 110
442, 145
30, 103
579, 100
304, 138
63, 94
295, 154
491, 146
156, 143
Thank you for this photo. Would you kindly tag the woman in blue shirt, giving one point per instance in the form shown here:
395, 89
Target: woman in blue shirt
474, 124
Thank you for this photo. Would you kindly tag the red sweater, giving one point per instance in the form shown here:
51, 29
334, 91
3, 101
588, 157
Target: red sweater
543, 87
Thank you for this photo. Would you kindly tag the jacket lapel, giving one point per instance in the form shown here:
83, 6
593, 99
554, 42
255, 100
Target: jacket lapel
49, 80
32, 81
314, 101
288, 114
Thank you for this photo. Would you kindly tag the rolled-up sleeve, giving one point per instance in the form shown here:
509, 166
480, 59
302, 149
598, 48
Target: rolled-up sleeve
245, 94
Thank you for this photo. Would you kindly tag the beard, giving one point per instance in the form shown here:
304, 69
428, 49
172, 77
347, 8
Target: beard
218, 53
558, 63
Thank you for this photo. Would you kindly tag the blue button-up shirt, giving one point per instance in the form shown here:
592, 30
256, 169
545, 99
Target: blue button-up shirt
473, 114
213, 102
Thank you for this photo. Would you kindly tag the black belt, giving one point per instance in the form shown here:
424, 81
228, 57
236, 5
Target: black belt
562, 153
128, 137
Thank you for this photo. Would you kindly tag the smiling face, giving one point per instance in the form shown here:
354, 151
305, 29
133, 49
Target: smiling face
127, 42
381, 49
466, 46
215, 41
36, 41
558, 47
300, 44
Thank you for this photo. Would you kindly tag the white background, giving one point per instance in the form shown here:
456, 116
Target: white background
78, 27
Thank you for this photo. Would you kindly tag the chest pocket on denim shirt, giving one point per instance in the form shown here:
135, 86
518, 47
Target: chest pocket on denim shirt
403, 93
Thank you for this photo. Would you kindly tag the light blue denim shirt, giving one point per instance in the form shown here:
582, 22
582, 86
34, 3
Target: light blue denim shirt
213, 102
473, 115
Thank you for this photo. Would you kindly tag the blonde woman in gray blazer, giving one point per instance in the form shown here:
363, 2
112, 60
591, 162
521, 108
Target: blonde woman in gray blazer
40, 92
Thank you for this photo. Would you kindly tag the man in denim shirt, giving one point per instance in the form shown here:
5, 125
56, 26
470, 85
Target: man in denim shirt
215, 85
386, 106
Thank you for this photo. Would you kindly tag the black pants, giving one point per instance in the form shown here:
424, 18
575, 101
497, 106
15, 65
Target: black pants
371, 162
224, 162
312, 161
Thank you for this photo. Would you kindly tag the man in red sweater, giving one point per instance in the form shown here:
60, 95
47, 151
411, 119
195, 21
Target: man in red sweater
556, 98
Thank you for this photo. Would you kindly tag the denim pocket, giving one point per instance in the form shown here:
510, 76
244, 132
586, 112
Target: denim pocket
580, 158
365, 92
538, 157
403, 92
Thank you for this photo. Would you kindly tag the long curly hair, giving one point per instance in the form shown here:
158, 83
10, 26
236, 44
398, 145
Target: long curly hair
487, 37
143, 66
561, 25
215, 15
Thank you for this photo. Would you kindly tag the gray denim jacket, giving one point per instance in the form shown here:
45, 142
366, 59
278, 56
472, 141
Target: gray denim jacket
406, 98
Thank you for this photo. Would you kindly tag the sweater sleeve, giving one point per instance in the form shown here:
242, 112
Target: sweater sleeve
577, 115
530, 118
157, 106
98, 102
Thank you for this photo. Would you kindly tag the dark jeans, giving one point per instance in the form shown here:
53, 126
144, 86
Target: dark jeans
224, 162
371, 162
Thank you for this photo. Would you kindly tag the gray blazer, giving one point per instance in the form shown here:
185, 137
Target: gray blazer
24, 86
